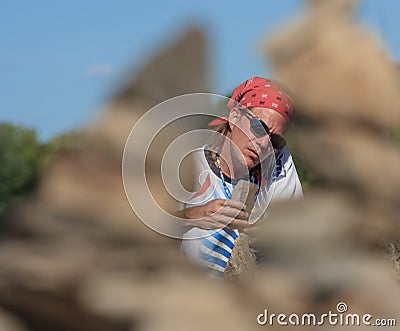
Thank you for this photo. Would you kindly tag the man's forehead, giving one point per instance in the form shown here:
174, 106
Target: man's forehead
264, 112
271, 117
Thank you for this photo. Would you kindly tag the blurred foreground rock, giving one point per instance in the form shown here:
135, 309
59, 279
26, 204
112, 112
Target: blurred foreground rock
331, 244
75, 257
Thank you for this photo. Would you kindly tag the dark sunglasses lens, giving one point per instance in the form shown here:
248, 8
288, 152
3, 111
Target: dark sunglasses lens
258, 127
278, 142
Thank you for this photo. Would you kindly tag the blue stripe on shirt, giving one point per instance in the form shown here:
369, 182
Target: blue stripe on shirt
212, 259
207, 243
231, 232
222, 239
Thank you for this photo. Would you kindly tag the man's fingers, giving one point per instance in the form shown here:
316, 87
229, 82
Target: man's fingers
235, 204
218, 205
213, 224
221, 221
230, 208
234, 213
238, 224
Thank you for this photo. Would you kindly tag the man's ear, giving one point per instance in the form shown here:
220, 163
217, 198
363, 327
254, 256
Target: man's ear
234, 116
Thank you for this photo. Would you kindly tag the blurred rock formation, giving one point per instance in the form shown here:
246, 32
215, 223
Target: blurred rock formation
75, 257
346, 92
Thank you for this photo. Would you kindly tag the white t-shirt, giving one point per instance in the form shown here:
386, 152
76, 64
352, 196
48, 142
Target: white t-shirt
212, 248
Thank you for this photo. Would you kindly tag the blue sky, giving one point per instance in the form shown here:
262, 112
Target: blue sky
60, 60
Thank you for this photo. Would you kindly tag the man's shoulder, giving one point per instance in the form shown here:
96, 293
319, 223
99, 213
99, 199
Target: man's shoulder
284, 155
284, 162
287, 183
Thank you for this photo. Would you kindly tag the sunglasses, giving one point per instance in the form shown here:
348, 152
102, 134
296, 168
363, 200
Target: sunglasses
260, 129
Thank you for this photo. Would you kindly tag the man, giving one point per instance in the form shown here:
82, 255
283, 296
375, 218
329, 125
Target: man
259, 114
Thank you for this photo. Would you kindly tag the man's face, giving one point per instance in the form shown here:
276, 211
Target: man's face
254, 149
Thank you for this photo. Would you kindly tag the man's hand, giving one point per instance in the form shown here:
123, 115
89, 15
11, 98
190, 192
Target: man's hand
216, 214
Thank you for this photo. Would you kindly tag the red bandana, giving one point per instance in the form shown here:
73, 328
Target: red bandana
259, 92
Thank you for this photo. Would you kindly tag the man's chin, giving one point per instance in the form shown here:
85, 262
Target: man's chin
253, 163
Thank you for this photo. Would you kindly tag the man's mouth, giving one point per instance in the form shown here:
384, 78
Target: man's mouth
253, 153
